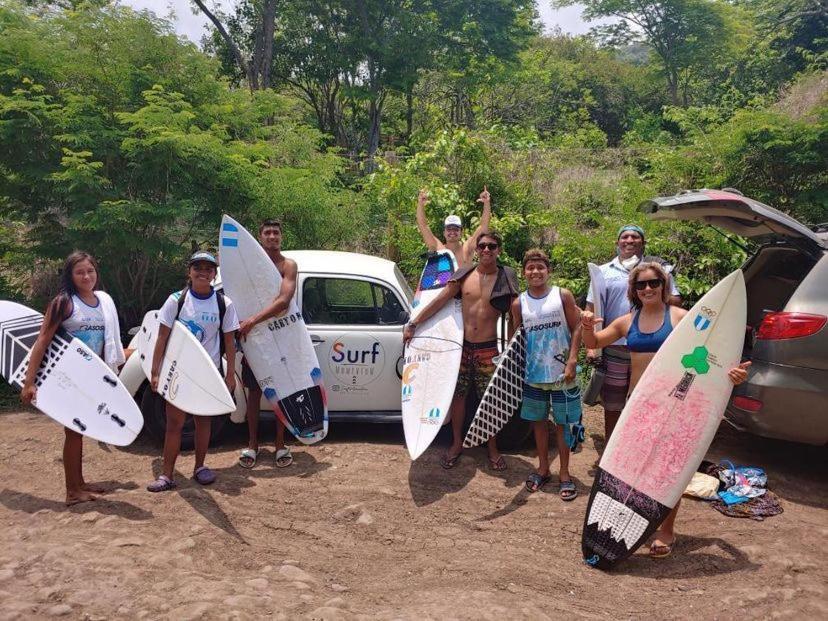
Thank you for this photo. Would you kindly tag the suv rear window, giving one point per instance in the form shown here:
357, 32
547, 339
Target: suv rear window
349, 301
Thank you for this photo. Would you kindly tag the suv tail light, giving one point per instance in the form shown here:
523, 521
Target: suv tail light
790, 325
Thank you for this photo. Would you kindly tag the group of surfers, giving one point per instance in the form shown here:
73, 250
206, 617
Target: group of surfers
641, 308
641, 305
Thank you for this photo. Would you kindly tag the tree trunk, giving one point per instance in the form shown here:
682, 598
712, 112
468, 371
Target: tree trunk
234, 49
374, 121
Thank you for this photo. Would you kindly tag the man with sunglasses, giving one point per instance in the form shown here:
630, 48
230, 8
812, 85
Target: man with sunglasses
453, 229
615, 361
486, 290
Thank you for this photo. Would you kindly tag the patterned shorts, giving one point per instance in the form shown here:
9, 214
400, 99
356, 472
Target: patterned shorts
565, 404
476, 368
616, 364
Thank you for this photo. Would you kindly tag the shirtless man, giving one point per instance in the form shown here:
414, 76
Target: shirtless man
453, 229
270, 237
475, 286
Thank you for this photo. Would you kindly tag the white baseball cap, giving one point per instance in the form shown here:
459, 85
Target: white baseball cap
453, 220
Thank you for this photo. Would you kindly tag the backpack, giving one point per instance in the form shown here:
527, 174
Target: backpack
222, 306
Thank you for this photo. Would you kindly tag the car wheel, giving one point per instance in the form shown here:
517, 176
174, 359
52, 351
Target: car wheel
153, 407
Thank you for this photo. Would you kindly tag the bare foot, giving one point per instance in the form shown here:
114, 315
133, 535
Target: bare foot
91, 487
662, 545
73, 498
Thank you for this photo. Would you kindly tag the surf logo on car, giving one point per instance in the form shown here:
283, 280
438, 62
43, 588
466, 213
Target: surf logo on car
284, 321
356, 360
705, 317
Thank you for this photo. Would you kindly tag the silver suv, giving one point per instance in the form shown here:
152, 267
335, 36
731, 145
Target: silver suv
786, 395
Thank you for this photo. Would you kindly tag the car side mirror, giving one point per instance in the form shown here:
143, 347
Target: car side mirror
404, 316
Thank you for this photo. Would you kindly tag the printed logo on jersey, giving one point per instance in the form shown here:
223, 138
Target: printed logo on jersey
195, 328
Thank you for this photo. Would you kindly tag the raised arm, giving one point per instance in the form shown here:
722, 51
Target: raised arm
422, 223
448, 292
280, 302
485, 219
616, 330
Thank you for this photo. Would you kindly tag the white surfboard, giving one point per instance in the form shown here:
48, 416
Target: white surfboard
189, 379
279, 351
666, 426
431, 358
503, 396
74, 386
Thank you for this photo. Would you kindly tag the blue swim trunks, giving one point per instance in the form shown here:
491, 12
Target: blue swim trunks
565, 404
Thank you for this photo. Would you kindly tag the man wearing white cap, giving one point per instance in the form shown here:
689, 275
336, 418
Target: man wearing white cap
453, 229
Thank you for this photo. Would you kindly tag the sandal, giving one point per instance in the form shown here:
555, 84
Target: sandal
248, 456
161, 484
661, 550
283, 457
449, 461
568, 491
204, 475
499, 464
536, 481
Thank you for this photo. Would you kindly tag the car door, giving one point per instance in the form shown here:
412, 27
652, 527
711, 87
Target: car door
356, 326
736, 213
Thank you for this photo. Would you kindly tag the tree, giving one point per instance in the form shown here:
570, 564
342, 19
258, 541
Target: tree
683, 34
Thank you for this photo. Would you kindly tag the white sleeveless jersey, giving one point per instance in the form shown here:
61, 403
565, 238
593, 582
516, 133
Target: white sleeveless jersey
547, 337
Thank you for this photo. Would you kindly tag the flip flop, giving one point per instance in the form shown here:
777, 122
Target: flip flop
448, 462
161, 484
204, 475
661, 550
499, 464
283, 457
248, 457
536, 481
568, 491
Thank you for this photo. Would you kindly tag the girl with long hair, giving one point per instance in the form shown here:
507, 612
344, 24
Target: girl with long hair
88, 314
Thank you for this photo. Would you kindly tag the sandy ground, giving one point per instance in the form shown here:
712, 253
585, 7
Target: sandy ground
353, 530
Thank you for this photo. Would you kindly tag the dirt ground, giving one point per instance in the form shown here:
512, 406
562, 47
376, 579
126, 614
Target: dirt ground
354, 530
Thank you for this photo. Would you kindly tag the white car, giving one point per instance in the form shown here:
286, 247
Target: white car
355, 307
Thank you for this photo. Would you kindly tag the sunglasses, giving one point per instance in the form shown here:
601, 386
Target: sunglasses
487, 246
653, 283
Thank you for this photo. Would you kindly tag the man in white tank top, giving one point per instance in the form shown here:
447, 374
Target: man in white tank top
551, 320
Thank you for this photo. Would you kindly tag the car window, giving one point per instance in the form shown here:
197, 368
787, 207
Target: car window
349, 301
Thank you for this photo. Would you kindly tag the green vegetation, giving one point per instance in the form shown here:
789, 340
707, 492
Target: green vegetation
121, 138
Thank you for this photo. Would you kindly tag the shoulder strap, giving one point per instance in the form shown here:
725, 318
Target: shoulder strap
222, 306
181, 297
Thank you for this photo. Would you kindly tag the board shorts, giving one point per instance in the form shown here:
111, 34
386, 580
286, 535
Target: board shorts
249, 380
476, 367
564, 404
616, 365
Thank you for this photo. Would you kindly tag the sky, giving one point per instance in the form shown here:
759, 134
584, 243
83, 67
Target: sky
192, 26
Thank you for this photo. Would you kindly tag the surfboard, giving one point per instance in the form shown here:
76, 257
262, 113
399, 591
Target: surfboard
74, 386
502, 398
189, 379
431, 357
666, 426
279, 351
598, 287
